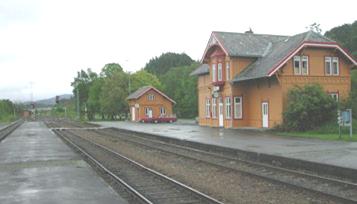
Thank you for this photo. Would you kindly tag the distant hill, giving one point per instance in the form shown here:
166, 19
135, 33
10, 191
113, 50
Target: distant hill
50, 101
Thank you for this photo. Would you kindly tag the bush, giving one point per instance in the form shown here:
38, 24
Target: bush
308, 108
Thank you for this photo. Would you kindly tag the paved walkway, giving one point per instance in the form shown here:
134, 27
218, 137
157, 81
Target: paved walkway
37, 167
329, 152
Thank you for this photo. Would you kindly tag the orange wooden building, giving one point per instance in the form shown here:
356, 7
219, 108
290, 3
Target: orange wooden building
148, 102
244, 77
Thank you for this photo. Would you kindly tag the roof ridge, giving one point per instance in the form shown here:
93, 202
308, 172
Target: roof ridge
251, 33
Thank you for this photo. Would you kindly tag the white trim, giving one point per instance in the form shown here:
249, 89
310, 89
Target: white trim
306, 59
209, 45
208, 108
214, 107
214, 72
228, 107
228, 71
312, 45
335, 96
219, 72
235, 104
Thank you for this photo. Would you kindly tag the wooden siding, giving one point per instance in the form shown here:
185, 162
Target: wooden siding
158, 102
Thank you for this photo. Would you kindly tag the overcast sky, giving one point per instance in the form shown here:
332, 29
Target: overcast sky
44, 42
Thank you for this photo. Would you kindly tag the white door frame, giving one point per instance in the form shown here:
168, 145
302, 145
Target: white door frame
133, 113
265, 114
220, 112
150, 113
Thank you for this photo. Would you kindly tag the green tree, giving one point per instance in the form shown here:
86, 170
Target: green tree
160, 65
346, 35
109, 69
93, 101
308, 108
181, 87
113, 97
82, 82
144, 78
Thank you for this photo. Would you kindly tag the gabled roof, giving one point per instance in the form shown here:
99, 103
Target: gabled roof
141, 91
282, 51
270, 51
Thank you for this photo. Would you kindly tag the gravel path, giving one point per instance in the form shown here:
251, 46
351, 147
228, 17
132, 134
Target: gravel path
227, 186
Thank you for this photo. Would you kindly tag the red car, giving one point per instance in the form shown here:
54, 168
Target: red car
159, 120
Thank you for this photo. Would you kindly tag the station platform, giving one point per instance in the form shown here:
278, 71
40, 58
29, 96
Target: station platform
37, 167
337, 153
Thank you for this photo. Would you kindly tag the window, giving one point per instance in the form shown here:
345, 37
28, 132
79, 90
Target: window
301, 65
148, 112
328, 65
228, 71
334, 96
214, 72
304, 65
335, 69
214, 107
332, 66
228, 107
238, 107
220, 72
297, 70
208, 108
151, 97
162, 111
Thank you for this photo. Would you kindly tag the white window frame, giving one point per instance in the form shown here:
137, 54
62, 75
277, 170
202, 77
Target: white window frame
328, 66
238, 107
162, 111
146, 109
219, 72
332, 61
228, 107
335, 61
208, 108
228, 71
306, 60
335, 95
151, 97
214, 107
297, 70
214, 71
300, 69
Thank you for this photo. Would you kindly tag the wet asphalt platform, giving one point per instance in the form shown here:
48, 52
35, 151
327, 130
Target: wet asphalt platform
338, 153
37, 167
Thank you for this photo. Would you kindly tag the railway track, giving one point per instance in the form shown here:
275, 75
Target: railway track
6, 131
337, 189
147, 185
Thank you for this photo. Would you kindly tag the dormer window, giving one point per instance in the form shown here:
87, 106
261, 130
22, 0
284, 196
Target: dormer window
219, 71
151, 97
301, 65
214, 72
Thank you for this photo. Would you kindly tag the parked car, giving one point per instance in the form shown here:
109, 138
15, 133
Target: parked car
159, 120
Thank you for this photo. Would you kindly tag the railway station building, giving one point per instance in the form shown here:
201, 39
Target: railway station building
244, 78
148, 103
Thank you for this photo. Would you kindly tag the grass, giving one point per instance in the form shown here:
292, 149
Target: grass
328, 131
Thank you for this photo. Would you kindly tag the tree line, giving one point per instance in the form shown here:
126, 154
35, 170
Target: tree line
104, 94
9, 111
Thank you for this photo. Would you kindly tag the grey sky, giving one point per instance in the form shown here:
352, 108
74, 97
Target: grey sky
47, 41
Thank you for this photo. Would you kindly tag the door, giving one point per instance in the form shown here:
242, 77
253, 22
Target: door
150, 113
220, 112
132, 113
265, 114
